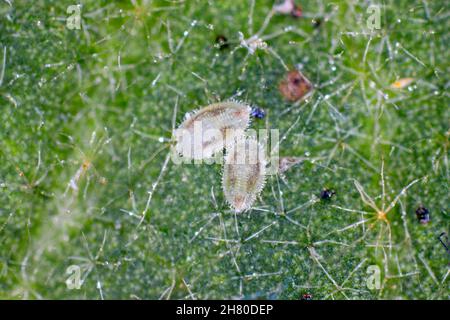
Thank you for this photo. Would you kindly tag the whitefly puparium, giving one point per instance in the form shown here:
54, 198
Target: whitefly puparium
206, 132
244, 173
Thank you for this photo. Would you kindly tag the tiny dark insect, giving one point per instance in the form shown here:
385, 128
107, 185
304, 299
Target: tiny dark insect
423, 215
327, 194
222, 42
307, 296
316, 23
258, 113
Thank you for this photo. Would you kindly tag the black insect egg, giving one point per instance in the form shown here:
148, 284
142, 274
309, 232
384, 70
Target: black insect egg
307, 296
423, 215
221, 42
327, 194
258, 113
316, 23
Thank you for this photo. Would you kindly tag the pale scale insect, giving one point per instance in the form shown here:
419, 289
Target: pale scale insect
205, 132
244, 173
402, 83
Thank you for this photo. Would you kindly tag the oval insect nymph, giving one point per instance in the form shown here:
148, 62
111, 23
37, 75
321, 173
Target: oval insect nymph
206, 131
243, 173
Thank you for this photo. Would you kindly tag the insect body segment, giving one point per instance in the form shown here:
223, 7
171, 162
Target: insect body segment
244, 173
207, 131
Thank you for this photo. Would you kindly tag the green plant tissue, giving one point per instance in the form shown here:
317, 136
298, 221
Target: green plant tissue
93, 207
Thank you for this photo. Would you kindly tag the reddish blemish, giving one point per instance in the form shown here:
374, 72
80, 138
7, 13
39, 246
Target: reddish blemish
294, 86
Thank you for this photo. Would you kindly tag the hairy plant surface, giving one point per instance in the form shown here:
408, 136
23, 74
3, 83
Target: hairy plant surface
85, 128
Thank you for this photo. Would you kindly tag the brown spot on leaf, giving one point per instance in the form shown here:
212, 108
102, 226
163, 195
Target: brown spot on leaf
294, 86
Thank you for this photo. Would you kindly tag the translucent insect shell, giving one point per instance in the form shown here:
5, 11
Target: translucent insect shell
243, 173
207, 131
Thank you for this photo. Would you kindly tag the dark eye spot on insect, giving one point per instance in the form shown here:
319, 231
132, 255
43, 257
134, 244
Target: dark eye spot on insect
294, 86
423, 215
258, 113
307, 296
221, 42
327, 194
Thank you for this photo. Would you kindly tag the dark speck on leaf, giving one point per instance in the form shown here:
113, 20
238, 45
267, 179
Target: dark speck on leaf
423, 215
327, 194
307, 296
222, 42
316, 23
258, 113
